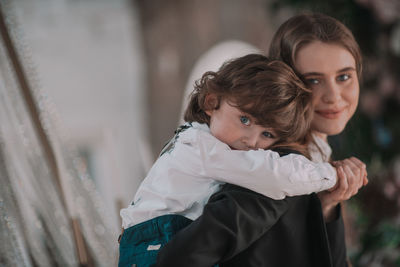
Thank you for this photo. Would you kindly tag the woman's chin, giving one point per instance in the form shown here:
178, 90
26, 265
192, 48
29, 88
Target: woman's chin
329, 129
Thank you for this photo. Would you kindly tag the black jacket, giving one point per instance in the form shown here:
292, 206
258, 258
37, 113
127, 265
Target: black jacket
242, 228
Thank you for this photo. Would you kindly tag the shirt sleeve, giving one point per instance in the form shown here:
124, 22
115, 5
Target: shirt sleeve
232, 220
262, 171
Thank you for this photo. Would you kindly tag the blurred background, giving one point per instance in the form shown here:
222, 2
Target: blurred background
91, 90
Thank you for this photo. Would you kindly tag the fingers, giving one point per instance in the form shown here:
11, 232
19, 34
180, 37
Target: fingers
365, 180
352, 181
358, 169
339, 192
355, 176
363, 169
358, 162
352, 175
335, 163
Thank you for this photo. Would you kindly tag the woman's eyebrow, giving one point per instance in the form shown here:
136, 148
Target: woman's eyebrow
347, 69
314, 73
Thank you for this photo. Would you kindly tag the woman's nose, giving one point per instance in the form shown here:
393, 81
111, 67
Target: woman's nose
331, 93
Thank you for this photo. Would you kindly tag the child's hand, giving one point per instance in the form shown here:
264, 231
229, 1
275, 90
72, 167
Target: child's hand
352, 175
352, 170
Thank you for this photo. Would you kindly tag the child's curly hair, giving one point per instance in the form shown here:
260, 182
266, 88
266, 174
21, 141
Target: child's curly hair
268, 90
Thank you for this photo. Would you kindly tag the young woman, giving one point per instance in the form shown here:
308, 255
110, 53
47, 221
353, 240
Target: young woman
326, 56
241, 228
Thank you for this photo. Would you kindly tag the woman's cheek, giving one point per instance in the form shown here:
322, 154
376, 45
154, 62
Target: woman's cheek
316, 96
352, 92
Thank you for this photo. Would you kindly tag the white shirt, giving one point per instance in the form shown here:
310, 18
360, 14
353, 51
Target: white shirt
182, 179
320, 151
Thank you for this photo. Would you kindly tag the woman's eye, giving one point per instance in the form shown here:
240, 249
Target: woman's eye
343, 77
268, 134
245, 120
312, 81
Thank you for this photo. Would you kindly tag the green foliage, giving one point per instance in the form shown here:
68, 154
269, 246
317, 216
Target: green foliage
381, 245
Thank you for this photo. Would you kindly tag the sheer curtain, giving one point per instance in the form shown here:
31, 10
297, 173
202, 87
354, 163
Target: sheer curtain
50, 212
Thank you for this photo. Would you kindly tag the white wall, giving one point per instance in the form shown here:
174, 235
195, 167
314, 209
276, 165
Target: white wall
212, 60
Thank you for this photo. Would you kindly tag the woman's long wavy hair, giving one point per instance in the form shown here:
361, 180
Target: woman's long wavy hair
303, 29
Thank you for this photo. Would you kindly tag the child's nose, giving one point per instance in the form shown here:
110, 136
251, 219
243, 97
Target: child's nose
252, 141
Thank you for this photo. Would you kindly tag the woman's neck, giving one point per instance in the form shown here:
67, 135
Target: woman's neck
323, 136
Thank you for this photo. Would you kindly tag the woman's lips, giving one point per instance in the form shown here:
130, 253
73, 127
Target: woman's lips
330, 113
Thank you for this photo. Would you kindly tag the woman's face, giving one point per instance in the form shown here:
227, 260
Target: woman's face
330, 70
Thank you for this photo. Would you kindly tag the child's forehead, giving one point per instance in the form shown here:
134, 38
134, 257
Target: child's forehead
247, 110
239, 104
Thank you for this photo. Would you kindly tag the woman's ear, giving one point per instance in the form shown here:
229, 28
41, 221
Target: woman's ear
211, 103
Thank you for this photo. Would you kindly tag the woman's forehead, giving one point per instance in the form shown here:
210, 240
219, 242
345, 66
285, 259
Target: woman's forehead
322, 57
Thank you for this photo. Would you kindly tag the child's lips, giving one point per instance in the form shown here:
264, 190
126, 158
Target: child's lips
241, 147
330, 113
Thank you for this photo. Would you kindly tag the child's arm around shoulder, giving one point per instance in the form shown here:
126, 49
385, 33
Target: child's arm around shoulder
263, 171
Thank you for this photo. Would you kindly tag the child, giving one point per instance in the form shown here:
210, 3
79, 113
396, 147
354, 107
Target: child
250, 104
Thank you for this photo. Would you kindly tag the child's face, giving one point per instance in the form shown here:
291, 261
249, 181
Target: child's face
238, 130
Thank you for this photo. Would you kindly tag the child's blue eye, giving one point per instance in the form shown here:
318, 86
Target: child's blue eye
245, 120
268, 134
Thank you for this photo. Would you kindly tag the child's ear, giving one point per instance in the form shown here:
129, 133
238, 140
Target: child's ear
210, 103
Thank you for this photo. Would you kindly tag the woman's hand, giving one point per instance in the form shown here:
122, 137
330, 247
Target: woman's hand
352, 175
